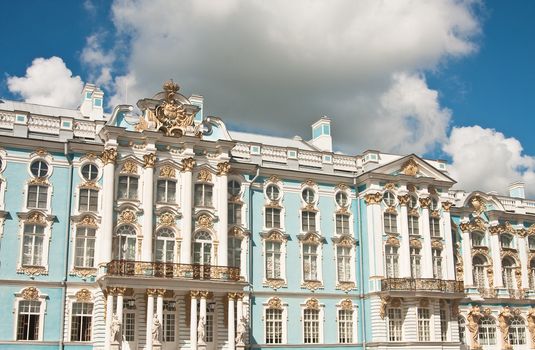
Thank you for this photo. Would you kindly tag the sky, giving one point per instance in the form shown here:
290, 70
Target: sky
448, 79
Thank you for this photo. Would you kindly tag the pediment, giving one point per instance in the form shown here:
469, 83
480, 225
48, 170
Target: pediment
413, 166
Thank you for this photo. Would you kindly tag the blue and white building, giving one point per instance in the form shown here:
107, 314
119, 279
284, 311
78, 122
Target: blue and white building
159, 228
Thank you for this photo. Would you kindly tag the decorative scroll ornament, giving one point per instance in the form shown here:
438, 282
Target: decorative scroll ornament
275, 303
237, 232
39, 181
167, 219
415, 243
346, 304
475, 225
149, 160
88, 221
204, 175
41, 152
311, 238
275, 236
205, 221
129, 167
312, 285
84, 272
89, 185
308, 183
90, 156
392, 241
312, 304
83, 296
223, 168
373, 198
274, 179
109, 155
390, 186
32, 270
342, 187
478, 205
188, 164
346, 286
391, 210
275, 283
167, 171
30, 293
505, 228
410, 168
504, 321
127, 216
425, 202
437, 244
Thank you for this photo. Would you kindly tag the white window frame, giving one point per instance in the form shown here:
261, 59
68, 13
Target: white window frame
283, 243
115, 237
71, 321
79, 197
204, 197
395, 264
321, 320
390, 221
424, 327
129, 176
173, 239
235, 213
46, 242
432, 231
411, 225
490, 340
75, 245
166, 312
416, 262
351, 262
281, 218
310, 221
87, 162
444, 324
438, 263
284, 328
48, 195
517, 332
397, 322
42, 311
348, 229
319, 262
166, 192
354, 323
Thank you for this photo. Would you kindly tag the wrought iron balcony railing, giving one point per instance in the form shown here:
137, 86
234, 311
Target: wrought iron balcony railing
127, 268
422, 284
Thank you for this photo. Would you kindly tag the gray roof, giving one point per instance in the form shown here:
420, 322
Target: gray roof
271, 140
37, 109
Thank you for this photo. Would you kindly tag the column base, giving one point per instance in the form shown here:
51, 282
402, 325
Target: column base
201, 346
115, 345
240, 346
157, 346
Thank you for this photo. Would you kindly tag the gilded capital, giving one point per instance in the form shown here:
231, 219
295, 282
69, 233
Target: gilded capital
446, 206
425, 202
109, 155
231, 296
223, 168
149, 160
152, 292
404, 199
373, 198
188, 164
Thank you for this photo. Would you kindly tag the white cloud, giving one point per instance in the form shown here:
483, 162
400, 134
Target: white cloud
487, 160
48, 81
97, 60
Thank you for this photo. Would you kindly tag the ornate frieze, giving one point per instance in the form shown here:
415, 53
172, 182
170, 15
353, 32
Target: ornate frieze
32, 270
346, 286
237, 232
312, 285
437, 244
83, 272
275, 283
477, 224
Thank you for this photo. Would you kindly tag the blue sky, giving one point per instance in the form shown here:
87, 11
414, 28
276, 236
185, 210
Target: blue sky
412, 77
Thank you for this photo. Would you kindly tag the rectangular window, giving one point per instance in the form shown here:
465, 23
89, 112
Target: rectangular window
443, 325
273, 218
203, 195
345, 326
166, 191
416, 270
129, 325
437, 263
392, 258
311, 324
169, 321
84, 253
390, 223
424, 324
342, 224
37, 197
310, 262
308, 221
28, 320
234, 252
127, 188
413, 225
273, 326
234, 214
32, 249
395, 324
273, 259
88, 200
434, 227
81, 319
343, 257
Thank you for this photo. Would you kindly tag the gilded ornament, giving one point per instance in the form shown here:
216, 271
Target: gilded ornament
205, 221
223, 168
490, 276
342, 186
275, 303
504, 318
531, 325
167, 219
109, 155
204, 175
392, 241
152, 292
477, 224
129, 167
404, 199
90, 156
373, 198
425, 202
308, 183
188, 164
435, 214
346, 304
237, 232
391, 210
32, 270
89, 185
415, 243
414, 212
473, 326
84, 272
437, 244
275, 236
88, 220
83, 296
41, 152
346, 286
36, 218
477, 204
312, 285
149, 160
410, 168
30, 293
167, 171
39, 181
274, 179
312, 304
127, 216
311, 238
446, 206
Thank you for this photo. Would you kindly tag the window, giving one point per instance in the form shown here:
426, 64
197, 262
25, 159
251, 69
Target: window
437, 263
477, 239
462, 329
90, 172
234, 213
166, 191
443, 325
390, 221
413, 202
273, 218
342, 224
416, 271
125, 243
274, 327
88, 200
273, 259
37, 197
531, 242
343, 257
389, 199
202, 248
169, 321
233, 188
310, 262
508, 273
28, 320
506, 241
311, 326
84, 253
308, 195
308, 221
81, 318
32, 249
392, 259
345, 326
434, 227
517, 331
434, 203
234, 251
127, 187
413, 225
164, 245
532, 274
478, 264
342, 199
39, 168
487, 331
395, 324
129, 324
424, 324
203, 195
273, 192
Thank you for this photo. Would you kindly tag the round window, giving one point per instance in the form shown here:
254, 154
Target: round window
272, 192
308, 195
342, 199
89, 171
389, 198
39, 168
234, 187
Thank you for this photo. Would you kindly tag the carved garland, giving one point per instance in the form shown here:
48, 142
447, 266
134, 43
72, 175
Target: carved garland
127, 216
312, 304
129, 167
167, 219
30, 293
373, 198
275, 303
83, 296
167, 171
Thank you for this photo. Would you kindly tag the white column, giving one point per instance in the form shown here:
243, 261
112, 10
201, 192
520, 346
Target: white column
147, 205
230, 318
109, 314
239, 306
222, 206
202, 306
104, 240
524, 263
467, 259
427, 257
150, 316
449, 252
404, 249
193, 321
496, 260
119, 311
159, 305
187, 205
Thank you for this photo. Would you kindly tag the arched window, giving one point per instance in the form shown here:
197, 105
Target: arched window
202, 248
462, 329
164, 245
487, 331
84, 254
532, 274
517, 331
479, 263
125, 243
508, 272
477, 239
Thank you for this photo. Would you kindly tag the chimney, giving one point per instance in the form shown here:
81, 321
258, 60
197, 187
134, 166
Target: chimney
321, 134
92, 102
516, 189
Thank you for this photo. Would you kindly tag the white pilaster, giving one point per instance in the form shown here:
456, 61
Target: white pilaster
147, 205
104, 240
467, 259
404, 253
187, 205
109, 314
427, 257
193, 321
239, 306
222, 207
230, 318
150, 316
523, 255
496, 260
449, 252
119, 311
159, 305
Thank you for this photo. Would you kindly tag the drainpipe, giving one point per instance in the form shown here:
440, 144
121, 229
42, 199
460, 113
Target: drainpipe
361, 282
66, 250
251, 246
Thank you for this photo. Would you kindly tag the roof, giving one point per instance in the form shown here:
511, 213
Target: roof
37, 109
271, 140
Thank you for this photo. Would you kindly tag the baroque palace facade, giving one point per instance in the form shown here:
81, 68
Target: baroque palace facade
165, 230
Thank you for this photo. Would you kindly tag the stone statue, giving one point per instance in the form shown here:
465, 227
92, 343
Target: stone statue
503, 321
200, 331
115, 329
156, 329
241, 331
473, 319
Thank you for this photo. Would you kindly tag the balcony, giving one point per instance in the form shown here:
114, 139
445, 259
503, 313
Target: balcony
127, 268
422, 284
